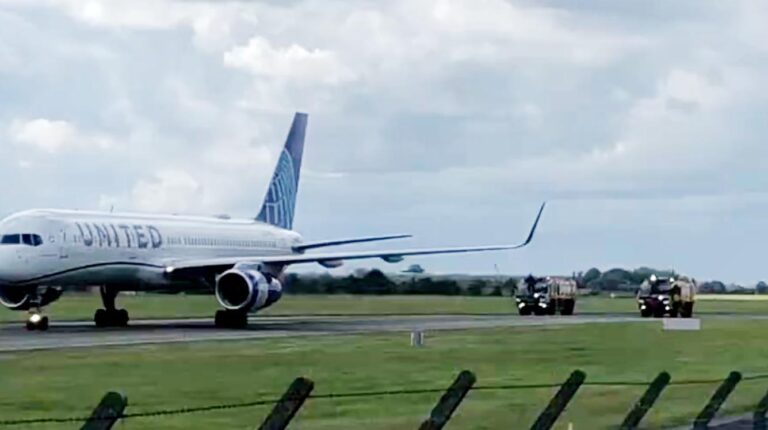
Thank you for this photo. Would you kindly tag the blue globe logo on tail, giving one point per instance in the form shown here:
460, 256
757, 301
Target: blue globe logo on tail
280, 202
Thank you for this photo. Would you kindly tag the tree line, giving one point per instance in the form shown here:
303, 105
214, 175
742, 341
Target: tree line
378, 283
593, 280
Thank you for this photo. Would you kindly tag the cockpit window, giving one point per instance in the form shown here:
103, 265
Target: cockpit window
11, 239
28, 239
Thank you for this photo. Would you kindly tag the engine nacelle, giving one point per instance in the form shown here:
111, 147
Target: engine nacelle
246, 288
22, 299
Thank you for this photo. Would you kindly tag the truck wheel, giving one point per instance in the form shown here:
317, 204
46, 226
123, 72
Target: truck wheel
552, 308
567, 308
674, 311
687, 310
525, 311
645, 313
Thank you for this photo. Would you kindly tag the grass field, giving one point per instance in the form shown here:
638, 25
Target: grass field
82, 306
68, 383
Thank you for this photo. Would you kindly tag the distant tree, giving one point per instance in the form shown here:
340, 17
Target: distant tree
761, 287
476, 287
510, 285
712, 287
592, 275
376, 282
612, 280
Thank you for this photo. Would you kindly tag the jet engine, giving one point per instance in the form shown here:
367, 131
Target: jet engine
22, 299
246, 288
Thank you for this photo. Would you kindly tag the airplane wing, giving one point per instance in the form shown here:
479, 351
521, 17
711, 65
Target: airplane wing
312, 245
334, 259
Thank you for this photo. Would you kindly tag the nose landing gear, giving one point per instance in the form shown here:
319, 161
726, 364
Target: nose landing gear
37, 321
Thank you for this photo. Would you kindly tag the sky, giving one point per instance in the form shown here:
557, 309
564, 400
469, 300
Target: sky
643, 124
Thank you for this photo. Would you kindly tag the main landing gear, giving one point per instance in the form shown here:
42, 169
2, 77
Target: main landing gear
110, 316
231, 319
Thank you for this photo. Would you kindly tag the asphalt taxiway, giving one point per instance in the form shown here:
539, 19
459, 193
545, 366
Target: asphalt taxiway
81, 334
13, 337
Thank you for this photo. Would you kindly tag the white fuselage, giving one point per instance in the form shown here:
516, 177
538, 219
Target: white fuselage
67, 248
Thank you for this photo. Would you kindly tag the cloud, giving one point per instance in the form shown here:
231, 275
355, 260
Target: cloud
54, 136
473, 110
168, 191
293, 62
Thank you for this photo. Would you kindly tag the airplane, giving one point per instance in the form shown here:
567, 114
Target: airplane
43, 252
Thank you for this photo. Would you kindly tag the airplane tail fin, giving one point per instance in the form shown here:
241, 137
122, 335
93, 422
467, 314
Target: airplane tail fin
280, 201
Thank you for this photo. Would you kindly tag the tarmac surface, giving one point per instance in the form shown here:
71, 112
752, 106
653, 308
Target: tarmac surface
13, 337
83, 334
743, 422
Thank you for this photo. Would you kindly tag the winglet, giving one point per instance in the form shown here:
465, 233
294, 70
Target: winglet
535, 225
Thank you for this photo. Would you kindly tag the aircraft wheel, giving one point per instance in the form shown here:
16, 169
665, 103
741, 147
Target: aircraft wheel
231, 319
37, 322
121, 318
101, 318
220, 319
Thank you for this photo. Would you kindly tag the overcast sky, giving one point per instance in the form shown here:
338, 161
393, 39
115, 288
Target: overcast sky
642, 123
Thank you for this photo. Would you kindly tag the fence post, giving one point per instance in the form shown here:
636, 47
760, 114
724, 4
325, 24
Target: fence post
558, 403
289, 405
760, 411
106, 414
450, 401
716, 402
646, 402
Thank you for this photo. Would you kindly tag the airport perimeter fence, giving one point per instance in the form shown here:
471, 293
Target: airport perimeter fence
112, 407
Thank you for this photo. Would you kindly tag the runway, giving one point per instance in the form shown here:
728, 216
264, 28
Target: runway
83, 334
13, 337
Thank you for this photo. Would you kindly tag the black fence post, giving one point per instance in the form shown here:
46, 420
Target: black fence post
558, 403
632, 420
106, 414
450, 401
289, 405
716, 402
760, 411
